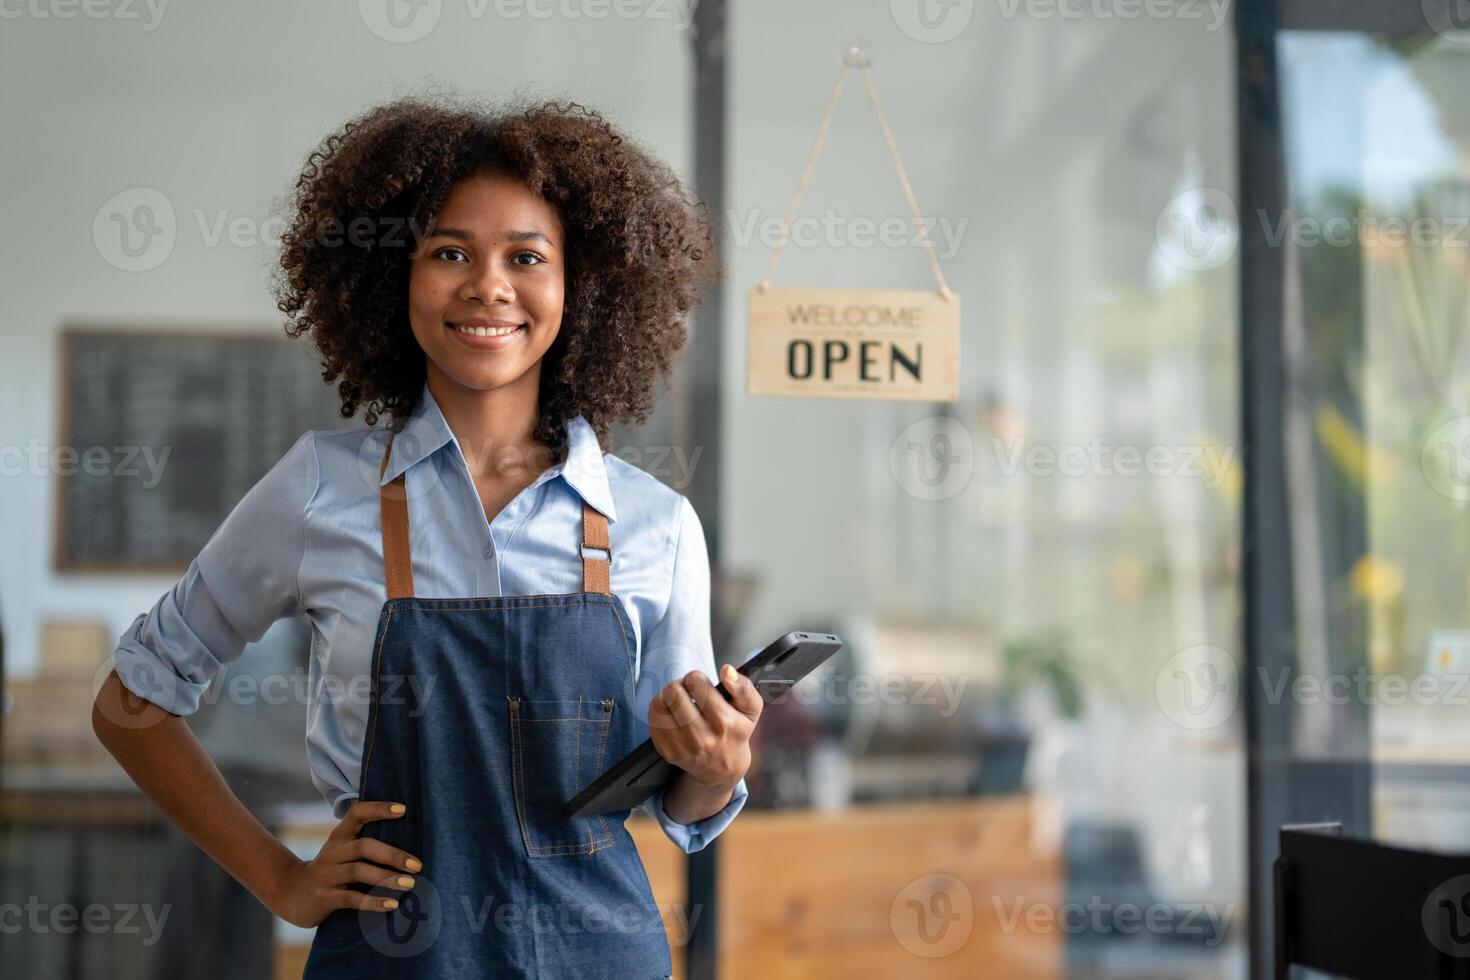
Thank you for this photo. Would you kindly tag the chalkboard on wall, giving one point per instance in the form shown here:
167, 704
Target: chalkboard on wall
224, 407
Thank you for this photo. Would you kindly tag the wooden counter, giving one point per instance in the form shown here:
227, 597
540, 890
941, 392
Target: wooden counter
840, 894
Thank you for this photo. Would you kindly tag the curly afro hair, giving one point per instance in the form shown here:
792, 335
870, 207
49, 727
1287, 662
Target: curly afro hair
639, 249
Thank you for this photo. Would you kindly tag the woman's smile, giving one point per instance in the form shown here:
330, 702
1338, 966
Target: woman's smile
486, 334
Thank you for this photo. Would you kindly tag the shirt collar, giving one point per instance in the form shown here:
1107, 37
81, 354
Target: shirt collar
426, 432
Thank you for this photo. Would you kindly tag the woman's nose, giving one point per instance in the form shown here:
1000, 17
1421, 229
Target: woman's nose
489, 284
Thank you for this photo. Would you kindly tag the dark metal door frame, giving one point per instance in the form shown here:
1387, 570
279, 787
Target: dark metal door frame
1282, 787
708, 39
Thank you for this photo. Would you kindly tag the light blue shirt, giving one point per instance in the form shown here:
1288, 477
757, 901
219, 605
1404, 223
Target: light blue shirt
307, 539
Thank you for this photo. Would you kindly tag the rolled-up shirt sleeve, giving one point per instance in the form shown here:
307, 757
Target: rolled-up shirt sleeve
681, 642
244, 579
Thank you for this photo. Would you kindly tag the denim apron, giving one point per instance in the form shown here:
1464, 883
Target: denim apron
533, 699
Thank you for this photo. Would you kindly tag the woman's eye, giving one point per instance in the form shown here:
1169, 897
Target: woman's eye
520, 258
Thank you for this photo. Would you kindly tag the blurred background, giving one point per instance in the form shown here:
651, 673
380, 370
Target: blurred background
1180, 230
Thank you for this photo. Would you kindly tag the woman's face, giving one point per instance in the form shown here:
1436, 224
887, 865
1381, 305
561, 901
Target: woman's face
492, 261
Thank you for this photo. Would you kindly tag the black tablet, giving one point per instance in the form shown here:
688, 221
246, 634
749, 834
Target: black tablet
643, 772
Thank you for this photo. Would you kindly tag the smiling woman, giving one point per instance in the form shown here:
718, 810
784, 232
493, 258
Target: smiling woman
547, 602
546, 291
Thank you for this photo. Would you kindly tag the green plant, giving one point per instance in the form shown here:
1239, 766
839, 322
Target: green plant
1046, 659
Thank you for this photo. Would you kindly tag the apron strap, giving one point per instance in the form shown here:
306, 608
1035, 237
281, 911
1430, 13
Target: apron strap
398, 562
393, 502
596, 572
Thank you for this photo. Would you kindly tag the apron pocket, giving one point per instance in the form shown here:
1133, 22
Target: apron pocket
556, 748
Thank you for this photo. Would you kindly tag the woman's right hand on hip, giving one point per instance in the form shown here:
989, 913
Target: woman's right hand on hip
310, 890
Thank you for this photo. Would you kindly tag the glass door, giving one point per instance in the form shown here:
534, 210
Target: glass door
1355, 224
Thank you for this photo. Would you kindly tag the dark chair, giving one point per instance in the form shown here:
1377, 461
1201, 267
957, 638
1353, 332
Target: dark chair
1369, 911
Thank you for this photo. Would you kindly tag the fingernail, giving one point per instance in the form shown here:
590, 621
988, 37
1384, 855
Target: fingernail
414, 864
405, 881
398, 808
390, 903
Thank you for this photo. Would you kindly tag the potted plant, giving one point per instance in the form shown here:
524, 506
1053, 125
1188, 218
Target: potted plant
1045, 660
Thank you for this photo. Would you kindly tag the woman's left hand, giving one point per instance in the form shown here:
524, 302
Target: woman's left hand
707, 737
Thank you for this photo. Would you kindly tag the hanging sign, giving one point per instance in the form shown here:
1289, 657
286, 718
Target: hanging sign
896, 344
900, 344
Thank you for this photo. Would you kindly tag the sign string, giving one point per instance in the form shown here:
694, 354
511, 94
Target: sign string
855, 56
